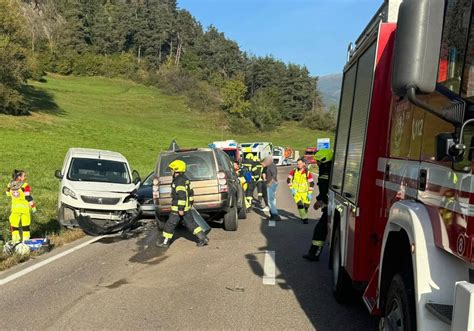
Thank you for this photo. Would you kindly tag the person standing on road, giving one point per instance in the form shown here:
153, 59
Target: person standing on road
301, 184
271, 181
249, 169
324, 161
182, 199
260, 183
20, 219
243, 181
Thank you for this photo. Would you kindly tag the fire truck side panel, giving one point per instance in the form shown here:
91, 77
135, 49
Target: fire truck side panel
369, 224
355, 199
435, 271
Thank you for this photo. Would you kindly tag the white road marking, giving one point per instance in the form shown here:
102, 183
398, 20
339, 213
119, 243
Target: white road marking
271, 223
269, 268
47, 261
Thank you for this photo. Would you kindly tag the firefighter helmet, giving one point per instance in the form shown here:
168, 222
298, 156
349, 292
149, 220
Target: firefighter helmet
324, 155
178, 166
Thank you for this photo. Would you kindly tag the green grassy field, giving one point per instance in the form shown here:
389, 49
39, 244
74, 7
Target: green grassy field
135, 120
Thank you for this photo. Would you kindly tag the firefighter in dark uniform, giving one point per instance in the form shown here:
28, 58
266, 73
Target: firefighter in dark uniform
182, 196
250, 170
324, 161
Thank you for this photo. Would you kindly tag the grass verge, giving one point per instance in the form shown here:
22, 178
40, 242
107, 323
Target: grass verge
136, 120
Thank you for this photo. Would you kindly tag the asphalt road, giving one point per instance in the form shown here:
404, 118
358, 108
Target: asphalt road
132, 284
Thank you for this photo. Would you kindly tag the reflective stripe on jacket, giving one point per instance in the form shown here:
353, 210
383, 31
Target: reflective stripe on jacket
20, 194
300, 180
182, 194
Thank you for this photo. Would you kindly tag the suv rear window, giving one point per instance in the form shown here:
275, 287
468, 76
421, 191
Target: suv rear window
201, 165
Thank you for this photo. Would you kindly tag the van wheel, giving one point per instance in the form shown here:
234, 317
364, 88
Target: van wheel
230, 219
400, 306
341, 283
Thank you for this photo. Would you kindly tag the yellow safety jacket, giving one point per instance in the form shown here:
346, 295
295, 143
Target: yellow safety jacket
301, 180
20, 194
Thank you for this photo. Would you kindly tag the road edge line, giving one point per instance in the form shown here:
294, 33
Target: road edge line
53, 258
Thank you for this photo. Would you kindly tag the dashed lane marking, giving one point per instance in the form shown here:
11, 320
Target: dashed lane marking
47, 261
269, 268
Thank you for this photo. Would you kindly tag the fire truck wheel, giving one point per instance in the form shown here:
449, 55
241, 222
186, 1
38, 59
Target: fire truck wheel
400, 313
341, 283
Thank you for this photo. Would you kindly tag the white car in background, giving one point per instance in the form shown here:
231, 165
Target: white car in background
97, 191
279, 156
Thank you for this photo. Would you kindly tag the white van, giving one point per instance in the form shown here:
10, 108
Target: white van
97, 191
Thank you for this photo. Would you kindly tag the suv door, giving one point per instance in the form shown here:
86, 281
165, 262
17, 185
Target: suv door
225, 165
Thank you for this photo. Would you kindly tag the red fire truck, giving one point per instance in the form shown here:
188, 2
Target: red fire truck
401, 203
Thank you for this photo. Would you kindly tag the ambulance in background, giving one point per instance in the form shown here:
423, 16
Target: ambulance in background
260, 149
230, 147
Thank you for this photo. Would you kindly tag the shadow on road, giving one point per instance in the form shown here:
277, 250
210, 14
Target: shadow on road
309, 281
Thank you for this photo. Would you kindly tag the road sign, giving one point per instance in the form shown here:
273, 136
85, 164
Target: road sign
323, 143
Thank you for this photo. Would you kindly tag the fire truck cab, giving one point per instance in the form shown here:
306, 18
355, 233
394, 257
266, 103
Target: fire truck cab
401, 200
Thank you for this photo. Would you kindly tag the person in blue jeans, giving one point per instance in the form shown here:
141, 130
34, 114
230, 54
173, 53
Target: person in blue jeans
270, 176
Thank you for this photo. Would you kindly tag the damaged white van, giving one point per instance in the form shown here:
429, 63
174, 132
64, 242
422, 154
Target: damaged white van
97, 191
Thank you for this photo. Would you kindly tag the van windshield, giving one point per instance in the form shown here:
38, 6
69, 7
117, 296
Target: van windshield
277, 152
97, 170
200, 165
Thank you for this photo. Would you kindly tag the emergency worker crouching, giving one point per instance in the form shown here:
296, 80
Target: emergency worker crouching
22, 201
182, 196
323, 159
301, 184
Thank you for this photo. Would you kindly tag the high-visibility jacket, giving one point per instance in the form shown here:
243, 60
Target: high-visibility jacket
20, 194
182, 194
300, 180
258, 169
251, 166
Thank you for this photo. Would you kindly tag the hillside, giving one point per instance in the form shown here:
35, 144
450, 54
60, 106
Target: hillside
330, 88
136, 120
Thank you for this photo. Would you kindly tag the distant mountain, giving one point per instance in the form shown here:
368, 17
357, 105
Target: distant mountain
330, 88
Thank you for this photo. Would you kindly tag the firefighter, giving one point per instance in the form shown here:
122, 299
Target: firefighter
182, 196
324, 161
243, 181
259, 179
249, 169
301, 184
22, 201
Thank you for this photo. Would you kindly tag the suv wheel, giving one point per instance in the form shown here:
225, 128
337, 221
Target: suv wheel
242, 212
230, 219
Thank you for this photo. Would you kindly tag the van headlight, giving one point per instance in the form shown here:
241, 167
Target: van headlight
67, 191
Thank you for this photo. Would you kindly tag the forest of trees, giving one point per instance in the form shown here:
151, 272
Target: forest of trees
152, 42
